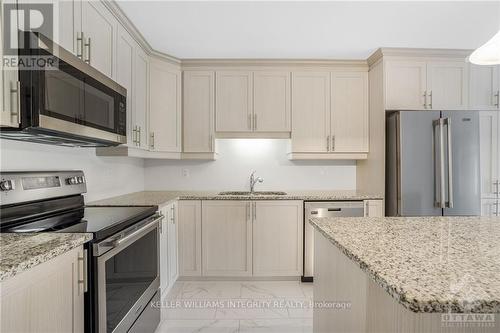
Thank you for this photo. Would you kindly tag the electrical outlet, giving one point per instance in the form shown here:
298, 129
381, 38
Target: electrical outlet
185, 173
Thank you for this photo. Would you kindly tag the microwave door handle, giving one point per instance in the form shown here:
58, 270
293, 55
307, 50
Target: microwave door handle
450, 163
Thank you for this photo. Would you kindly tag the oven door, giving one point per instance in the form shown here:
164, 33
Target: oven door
127, 275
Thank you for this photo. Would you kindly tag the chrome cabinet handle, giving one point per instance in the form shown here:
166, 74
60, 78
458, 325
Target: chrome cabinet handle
447, 121
327, 143
87, 45
79, 44
496, 184
496, 204
82, 270
152, 139
425, 99
333, 142
15, 88
172, 218
497, 99
139, 135
430, 98
134, 134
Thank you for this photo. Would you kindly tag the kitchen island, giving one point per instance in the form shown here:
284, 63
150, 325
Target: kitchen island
429, 274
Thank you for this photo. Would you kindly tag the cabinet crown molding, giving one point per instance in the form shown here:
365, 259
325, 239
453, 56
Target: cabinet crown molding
460, 54
188, 64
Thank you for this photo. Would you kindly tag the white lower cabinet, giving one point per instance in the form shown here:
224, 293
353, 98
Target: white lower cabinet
277, 238
374, 208
226, 238
173, 262
46, 298
189, 237
489, 207
168, 248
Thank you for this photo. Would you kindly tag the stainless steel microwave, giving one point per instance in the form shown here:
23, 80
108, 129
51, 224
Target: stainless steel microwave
70, 103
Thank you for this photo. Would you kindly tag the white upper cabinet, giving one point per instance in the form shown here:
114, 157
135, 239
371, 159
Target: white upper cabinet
125, 50
484, 87
426, 85
405, 85
226, 238
10, 93
198, 111
271, 101
99, 28
310, 111
141, 99
233, 101
165, 107
349, 119
447, 85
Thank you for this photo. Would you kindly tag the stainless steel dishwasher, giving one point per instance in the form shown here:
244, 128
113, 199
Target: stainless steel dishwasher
323, 209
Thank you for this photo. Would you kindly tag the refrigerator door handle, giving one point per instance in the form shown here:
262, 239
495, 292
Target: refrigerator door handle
439, 185
450, 164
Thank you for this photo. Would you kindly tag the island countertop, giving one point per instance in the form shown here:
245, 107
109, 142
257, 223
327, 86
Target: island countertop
22, 251
428, 264
159, 198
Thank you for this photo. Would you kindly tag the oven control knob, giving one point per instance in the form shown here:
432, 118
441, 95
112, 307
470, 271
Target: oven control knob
72, 181
6, 185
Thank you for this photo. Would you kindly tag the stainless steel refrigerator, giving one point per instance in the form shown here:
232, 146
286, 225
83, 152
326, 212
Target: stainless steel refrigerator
432, 163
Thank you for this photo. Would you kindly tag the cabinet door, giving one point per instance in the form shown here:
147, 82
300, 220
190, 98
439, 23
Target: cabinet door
483, 87
189, 238
173, 269
164, 252
490, 207
349, 120
374, 208
9, 95
405, 85
271, 101
67, 24
277, 238
234, 101
125, 50
226, 238
99, 29
490, 153
46, 298
165, 107
198, 111
310, 111
141, 98
447, 85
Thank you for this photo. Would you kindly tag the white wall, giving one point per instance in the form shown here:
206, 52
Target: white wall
238, 157
106, 177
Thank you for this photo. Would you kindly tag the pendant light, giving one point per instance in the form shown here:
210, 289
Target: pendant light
488, 53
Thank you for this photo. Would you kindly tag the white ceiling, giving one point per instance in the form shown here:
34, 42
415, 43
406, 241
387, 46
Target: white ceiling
340, 30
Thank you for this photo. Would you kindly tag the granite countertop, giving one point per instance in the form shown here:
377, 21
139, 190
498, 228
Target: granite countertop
158, 198
428, 264
22, 251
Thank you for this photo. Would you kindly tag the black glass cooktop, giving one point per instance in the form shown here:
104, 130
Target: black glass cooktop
101, 221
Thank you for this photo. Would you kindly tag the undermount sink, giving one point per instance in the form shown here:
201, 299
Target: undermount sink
252, 193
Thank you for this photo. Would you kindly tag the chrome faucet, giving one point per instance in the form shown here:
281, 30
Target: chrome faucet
253, 181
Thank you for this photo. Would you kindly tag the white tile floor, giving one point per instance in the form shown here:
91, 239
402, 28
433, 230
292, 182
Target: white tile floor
246, 306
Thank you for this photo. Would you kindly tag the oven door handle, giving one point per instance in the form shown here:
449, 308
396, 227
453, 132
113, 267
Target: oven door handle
133, 235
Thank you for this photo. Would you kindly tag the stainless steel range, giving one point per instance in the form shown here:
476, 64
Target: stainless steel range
122, 259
